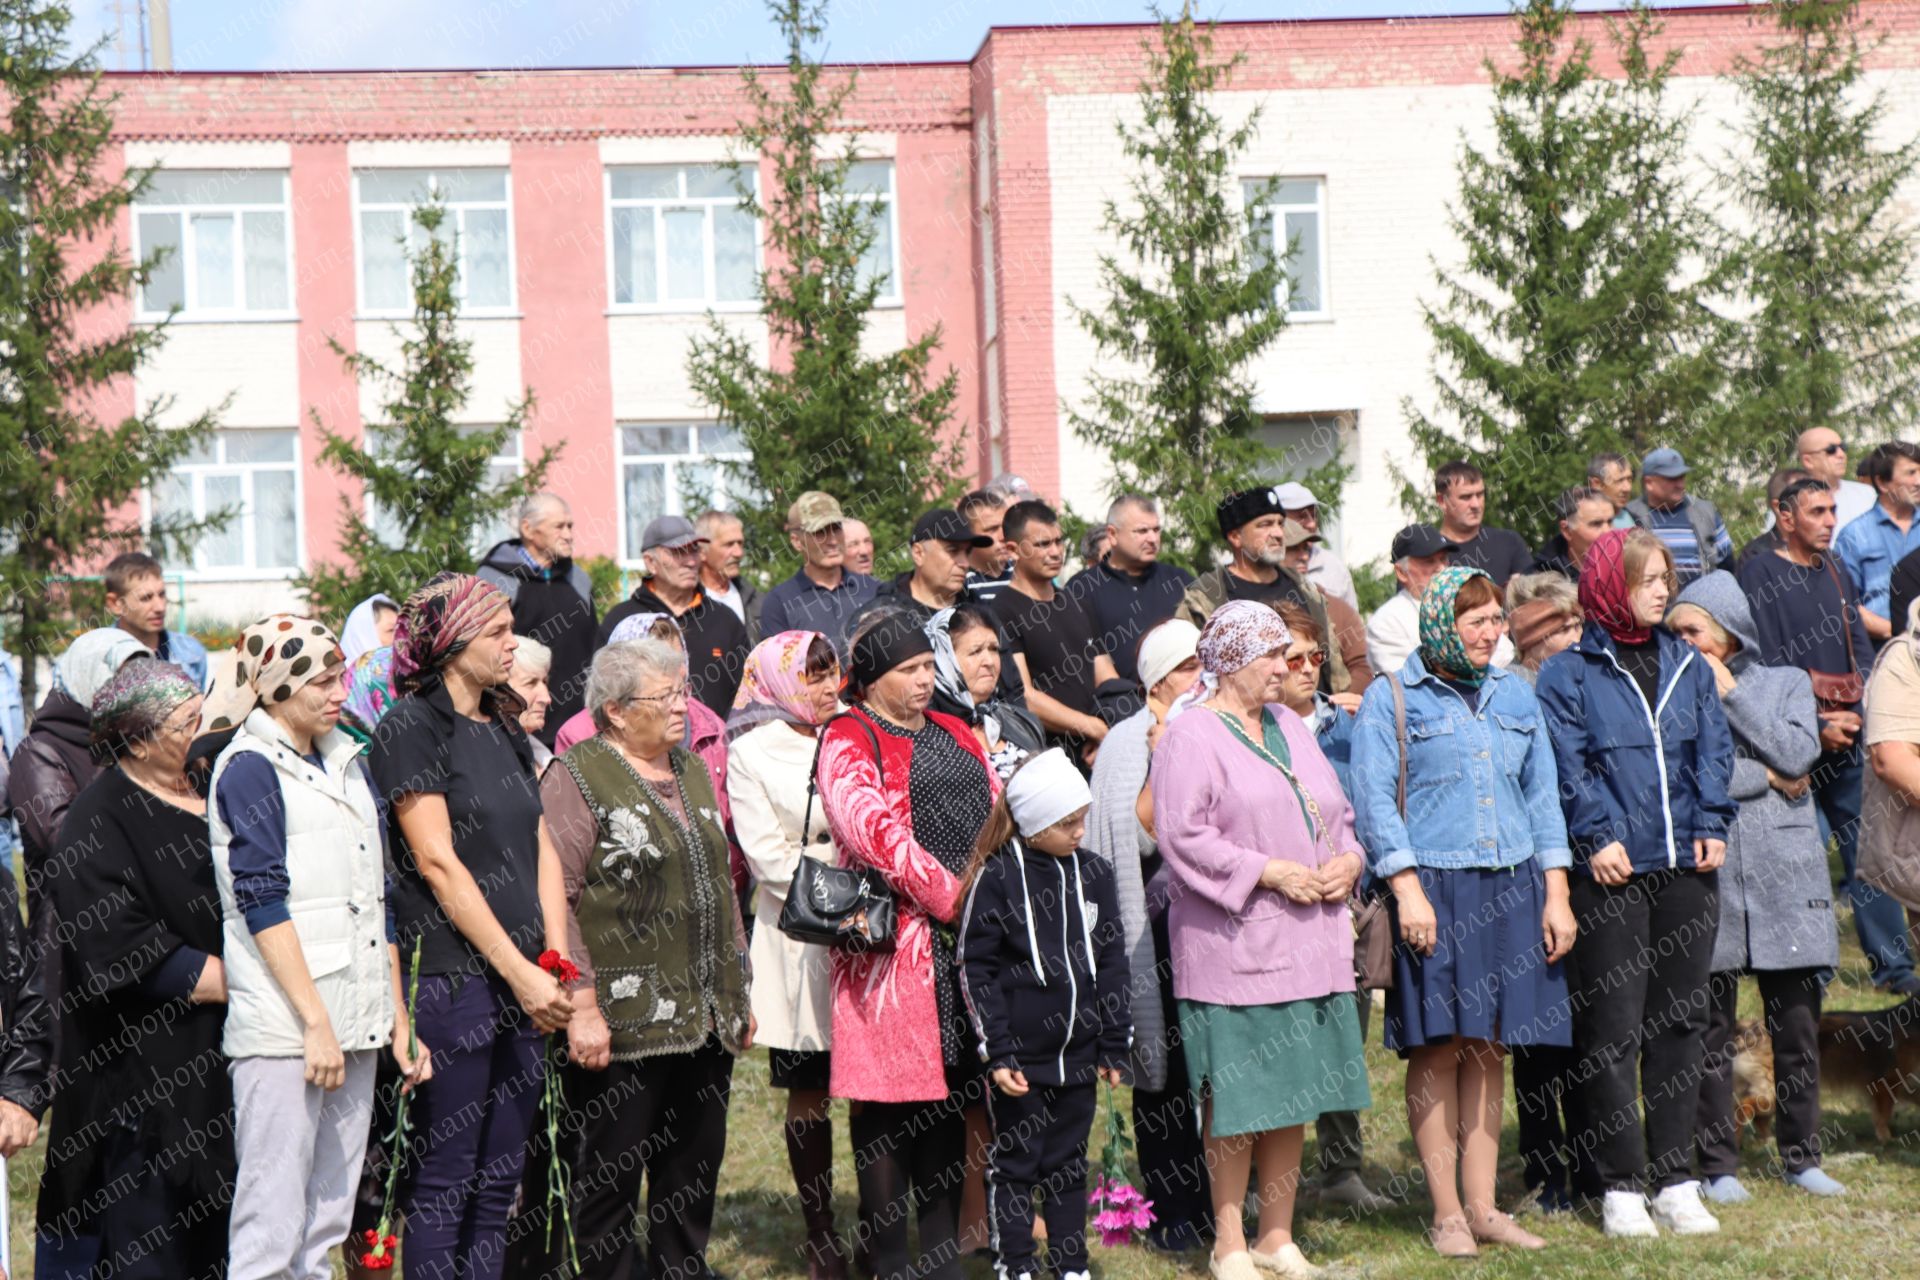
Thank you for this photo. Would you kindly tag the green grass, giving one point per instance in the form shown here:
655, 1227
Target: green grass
1869, 1233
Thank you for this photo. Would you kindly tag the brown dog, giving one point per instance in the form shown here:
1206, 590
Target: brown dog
1876, 1053
1753, 1088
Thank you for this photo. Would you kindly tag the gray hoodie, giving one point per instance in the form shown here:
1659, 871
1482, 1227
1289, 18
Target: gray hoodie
1776, 901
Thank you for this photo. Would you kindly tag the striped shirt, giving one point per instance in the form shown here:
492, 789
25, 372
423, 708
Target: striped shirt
1675, 528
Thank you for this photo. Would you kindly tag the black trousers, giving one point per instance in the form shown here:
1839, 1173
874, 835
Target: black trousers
910, 1157
663, 1119
1639, 976
1551, 1101
1166, 1129
1792, 1001
156, 1229
1040, 1142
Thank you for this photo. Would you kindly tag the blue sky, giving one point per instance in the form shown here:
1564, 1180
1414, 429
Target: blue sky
261, 35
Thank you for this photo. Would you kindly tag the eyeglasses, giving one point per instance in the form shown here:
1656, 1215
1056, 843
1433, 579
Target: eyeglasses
676, 694
1311, 658
1830, 450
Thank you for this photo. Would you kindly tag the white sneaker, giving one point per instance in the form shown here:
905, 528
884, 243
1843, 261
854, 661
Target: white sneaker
1679, 1210
1624, 1216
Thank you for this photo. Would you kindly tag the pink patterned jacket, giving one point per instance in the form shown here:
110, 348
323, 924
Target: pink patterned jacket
886, 1029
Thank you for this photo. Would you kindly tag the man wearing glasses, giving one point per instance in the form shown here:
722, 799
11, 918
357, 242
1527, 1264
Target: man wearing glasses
716, 637
1824, 457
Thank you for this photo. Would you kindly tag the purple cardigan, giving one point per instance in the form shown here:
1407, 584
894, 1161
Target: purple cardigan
1221, 812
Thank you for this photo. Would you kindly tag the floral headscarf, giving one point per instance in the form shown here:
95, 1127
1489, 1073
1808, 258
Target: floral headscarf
1604, 591
134, 705
1440, 645
774, 684
370, 688
1238, 632
90, 661
273, 659
438, 621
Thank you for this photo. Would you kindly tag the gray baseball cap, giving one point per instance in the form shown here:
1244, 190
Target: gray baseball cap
1663, 462
669, 531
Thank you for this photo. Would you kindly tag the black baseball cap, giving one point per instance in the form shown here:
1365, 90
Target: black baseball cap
944, 524
1420, 540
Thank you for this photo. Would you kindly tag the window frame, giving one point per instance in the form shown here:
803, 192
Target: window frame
897, 297
675, 504
709, 205
189, 313
457, 209
1277, 213
190, 567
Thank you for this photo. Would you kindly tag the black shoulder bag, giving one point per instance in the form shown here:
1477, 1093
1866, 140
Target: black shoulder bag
850, 908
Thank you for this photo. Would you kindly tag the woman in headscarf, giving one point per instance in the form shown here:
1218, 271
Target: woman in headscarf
1476, 856
1645, 757
1172, 1162
370, 626
789, 689
477, 887
906, 791
141, 1154
1270, 1044
314, 985
966, 673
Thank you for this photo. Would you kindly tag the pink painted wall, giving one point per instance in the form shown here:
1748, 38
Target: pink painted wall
321, 189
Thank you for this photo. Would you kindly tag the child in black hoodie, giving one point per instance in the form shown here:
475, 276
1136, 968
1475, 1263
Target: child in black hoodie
1045, 976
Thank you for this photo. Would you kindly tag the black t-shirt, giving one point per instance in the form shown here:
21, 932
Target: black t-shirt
1272, 594
1904, 586
1126, 606
1501, 552
1057, 637
484, 770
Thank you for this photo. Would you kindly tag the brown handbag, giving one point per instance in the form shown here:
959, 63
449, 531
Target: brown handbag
1372, 917
1840, 691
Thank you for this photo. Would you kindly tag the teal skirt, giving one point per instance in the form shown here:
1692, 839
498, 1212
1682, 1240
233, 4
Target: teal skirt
1272, 1066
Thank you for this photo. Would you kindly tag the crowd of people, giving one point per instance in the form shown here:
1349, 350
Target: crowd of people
958, 848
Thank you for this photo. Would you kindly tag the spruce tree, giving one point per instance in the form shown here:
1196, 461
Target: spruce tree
426, 475
1190, 309
876, 431
71, 474
1833, 335
1577, 322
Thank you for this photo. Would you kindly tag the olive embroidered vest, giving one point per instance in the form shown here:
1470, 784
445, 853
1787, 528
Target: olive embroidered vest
655, 909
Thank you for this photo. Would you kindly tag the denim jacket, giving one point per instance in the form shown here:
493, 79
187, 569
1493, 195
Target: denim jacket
1483, 791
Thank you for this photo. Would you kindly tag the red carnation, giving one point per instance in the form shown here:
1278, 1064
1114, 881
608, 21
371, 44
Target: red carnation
559, 966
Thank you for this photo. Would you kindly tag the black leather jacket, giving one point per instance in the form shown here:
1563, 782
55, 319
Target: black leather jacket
26, 1019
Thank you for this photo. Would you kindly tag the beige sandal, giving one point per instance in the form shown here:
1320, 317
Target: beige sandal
1452, 1238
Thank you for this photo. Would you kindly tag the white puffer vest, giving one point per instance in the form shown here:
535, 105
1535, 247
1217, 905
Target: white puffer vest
336, 897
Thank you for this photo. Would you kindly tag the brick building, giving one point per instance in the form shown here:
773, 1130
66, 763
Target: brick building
597, 234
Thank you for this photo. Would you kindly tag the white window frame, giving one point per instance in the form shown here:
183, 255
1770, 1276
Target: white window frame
1276, 224
675, 503
516, 458
197, 473
456, 210
660, 204
895, 298
190, 311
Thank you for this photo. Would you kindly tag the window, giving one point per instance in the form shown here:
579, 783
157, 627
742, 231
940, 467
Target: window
506, 465
254, 475
1304, 443
1291, 211
667, 470
476, 224
224, 237
679, 238
871, 182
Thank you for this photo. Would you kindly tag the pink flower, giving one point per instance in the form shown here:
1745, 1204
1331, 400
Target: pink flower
1122, 1211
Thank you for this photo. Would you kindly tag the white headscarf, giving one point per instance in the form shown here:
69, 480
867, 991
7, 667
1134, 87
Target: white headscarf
361, 632
1165, 648
92, 660
1045, 790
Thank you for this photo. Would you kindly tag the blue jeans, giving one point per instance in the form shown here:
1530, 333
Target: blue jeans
1880, 921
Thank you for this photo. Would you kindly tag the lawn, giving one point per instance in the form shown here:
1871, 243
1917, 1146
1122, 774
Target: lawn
1874, 1231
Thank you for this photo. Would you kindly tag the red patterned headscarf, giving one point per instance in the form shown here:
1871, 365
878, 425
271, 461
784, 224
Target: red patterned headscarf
1605, 593
438, 621
774, 684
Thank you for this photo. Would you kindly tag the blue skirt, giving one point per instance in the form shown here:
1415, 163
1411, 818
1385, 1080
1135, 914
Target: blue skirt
1488, 977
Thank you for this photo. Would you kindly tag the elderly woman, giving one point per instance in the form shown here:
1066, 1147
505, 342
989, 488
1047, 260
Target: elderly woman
141, 1154
1260, 843
1543, 618
790, 688
1775, 921
1172, 1163
660, 1007
532, 664
906, 791
313, 983
966, 674
477, 888
1476, 856
1644, 756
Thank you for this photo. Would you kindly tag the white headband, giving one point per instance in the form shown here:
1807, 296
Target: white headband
1164, 648
1044, 790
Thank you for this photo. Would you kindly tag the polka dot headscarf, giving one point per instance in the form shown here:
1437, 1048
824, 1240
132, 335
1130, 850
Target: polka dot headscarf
273, 659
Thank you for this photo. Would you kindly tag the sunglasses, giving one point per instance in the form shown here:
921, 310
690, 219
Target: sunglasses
1830, 450
1311, 658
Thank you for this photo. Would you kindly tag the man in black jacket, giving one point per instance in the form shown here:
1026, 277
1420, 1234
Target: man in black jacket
552, 599
1585, 513
716, 638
